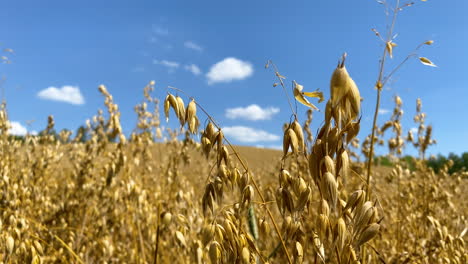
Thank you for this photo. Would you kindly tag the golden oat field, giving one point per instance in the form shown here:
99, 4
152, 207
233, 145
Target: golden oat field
112, 199
187, 195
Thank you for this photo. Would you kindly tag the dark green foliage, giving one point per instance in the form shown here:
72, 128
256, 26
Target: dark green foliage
460, 163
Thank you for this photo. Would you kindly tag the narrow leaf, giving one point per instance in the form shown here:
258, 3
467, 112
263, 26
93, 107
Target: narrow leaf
315, 94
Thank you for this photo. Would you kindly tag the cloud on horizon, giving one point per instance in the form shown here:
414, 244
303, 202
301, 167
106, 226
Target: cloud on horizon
252, 112
19, 130
248, 134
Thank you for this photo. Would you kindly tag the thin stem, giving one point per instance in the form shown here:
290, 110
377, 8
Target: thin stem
371, 154
155, 261
282, 85
379, 86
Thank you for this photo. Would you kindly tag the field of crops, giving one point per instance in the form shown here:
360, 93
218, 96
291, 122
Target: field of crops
187, 195
102, 197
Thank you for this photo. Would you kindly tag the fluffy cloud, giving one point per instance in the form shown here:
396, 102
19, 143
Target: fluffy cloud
193, 69
383, 111
248, 134
252, 112
19, 130
228, 70
67, 93
193, 46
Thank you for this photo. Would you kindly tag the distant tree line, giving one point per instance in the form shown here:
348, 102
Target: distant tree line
460, 162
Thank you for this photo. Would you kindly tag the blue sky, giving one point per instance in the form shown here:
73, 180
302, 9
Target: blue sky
216, 51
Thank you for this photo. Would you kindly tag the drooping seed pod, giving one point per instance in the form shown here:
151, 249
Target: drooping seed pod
363, 215
330, 186
286, 143
224, 173
215, 252
206, 145
180, 110
193, 124
224, 156
167, 106
210, 131
323, 226
247, 195
264, 227
352, 130
170, 101
345, 97
285, 178
180, 238
290, 140
324, 208
243, 181
235, 176
355, 100
300, 135
10, 244
219, 139
191, 110
245, 255
341, 233
327, 165
298, 253
340, 83
354, 200
303, 199
368, 233
314, 168
343, 159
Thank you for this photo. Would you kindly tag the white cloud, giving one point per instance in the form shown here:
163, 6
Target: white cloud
67, 93
193, 69
414, 130
383, 111
228, 70
248, 134
252, 112
19, 130
192, 45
